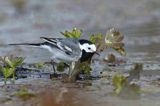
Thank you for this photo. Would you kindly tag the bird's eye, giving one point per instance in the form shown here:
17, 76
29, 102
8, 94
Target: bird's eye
89, 48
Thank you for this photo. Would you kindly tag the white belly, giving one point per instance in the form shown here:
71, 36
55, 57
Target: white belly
59, 55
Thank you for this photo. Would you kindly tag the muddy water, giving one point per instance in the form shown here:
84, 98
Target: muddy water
138, 20
98, 92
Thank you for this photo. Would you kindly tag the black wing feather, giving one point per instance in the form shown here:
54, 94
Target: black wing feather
60, 43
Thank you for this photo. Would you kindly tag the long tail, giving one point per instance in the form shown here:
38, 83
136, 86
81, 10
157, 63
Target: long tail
45, 45
29, 44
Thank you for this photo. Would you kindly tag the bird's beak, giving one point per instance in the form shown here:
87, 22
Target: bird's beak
97, 53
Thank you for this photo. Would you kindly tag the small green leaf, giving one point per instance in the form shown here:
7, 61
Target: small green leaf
8, 72
86, 68
8, 61
18, 61
75, 33
98, 40
92, 39
61, 66
118, 82
95, 38
9, 66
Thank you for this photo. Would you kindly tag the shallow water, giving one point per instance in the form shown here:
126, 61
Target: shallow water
140, 26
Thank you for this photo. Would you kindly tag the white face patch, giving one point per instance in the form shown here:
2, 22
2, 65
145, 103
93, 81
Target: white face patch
88, 47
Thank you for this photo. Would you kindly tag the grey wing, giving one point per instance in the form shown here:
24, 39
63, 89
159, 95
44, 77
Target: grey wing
68, 45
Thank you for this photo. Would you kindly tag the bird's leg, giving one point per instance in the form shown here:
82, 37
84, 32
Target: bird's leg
53, 66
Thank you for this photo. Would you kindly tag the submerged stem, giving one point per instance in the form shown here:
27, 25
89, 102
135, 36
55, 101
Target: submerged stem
77, 69
74, 72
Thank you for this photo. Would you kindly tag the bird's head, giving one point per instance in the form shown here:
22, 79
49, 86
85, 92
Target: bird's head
87, 46
88, 49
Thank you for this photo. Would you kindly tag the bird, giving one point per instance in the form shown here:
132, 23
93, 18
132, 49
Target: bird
67, 50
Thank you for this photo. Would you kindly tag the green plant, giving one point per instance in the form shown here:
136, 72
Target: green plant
94, 38
119, 82
125, 89
124, 84
24, 94
9, 66
114, 39
97, 39
85, 67
75, 33
61, 66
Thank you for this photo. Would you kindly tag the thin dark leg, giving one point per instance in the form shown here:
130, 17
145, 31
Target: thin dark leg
53, 65
54, 75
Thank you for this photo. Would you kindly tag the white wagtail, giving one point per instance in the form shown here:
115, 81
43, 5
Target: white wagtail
68, 50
